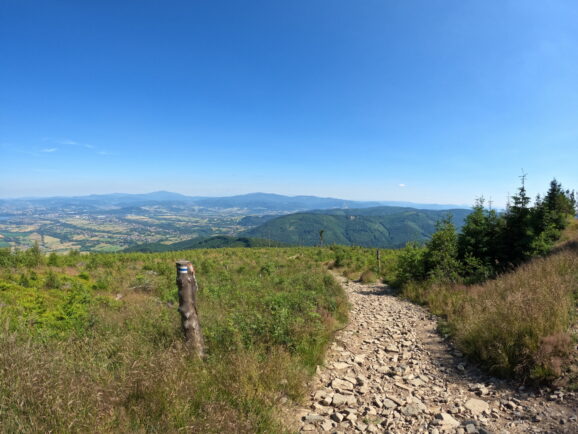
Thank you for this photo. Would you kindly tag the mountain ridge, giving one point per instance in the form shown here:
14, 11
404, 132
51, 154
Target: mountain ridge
271, 201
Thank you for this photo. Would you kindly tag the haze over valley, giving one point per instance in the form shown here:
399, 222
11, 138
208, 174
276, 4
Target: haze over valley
114, 222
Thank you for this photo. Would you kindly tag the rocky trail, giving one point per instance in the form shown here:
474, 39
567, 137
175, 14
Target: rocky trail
390, 371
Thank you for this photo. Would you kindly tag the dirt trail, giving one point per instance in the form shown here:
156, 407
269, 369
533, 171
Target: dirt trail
389, 371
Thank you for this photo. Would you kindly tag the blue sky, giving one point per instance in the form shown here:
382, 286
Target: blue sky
389, 100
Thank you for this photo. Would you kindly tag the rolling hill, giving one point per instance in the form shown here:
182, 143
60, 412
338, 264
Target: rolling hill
386, 227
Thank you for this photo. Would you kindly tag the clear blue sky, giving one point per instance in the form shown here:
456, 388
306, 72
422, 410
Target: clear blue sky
425, 101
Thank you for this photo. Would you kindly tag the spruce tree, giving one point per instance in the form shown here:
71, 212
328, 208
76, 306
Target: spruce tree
478, 243
559, 204
473, 239
441, 255
517, 232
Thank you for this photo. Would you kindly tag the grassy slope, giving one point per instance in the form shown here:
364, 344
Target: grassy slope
74, 358
92, 343
520, 323
216, 242
385, 227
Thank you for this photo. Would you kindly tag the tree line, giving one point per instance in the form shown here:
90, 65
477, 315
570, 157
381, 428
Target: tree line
491, 242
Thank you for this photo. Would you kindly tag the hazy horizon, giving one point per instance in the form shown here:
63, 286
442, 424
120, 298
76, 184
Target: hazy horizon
416, 101
224, 196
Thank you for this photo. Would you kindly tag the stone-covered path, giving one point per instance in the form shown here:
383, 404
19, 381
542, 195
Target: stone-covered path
389, 371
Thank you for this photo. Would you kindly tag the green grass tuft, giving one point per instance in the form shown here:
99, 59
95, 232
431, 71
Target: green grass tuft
93, 342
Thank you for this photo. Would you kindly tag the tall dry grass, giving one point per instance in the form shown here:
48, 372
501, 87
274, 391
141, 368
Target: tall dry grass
517, 324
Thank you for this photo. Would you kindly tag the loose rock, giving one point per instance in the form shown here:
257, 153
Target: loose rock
390, 371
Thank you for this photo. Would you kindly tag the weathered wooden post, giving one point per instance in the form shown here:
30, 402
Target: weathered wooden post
187, 284
378, 254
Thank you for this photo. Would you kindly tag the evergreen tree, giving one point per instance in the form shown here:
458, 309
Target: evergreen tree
550, 216
490, 242
441, 255
559, 204
477, 243
517, 232
495, 228
473, 240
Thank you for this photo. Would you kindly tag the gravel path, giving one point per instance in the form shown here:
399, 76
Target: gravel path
389, 371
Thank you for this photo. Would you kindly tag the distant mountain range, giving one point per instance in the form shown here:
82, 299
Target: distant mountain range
251, 203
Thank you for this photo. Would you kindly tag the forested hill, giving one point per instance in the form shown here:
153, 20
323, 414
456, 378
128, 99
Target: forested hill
384, 226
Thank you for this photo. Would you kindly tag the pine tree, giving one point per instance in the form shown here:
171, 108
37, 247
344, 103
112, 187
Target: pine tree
441, 256
491, 242
473, 239
517, 232
495, 229
477, 243
559, 204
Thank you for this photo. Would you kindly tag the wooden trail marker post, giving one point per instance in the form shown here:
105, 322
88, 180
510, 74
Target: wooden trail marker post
187, 284
378, 254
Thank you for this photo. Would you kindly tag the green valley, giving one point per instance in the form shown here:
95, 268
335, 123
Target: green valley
149, 222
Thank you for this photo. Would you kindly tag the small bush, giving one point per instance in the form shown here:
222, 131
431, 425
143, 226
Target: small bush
410, 265
52, 280
53, 260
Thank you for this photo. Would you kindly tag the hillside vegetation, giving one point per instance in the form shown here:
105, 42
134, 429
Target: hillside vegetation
92, 343
216, 242
384, 227
519, 324
506, 285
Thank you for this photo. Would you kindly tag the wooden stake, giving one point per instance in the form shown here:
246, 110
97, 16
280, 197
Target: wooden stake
378, 254
187, 284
